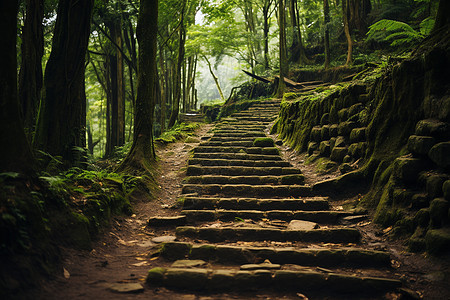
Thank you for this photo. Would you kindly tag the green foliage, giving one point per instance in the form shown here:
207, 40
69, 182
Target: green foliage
177, 132
398, 34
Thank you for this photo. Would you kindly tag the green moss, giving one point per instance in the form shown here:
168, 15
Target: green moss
324, 165
155, 276
263, 142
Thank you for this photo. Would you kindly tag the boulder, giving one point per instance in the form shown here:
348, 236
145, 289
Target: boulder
439, 212
358, 135
325, 148
422, 218
434, 184
355, 109
325, 119
420, 145
343, 114
440, 155
446, 190
338, 154
433, 127
325, 132
334, 130
315, 134
438, 240
346, 127
312, 146
407, 169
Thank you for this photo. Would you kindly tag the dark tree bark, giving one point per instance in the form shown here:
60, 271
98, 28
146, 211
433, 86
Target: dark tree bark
442, 16
142, 153
283, 55
326, 17
346, 17
177, 80
30, 75
266, 15
61, 123
297, 50
14, 151
358, 15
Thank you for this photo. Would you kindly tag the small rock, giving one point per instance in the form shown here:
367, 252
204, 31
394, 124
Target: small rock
126, 287
302, 225
187, 263
164, 239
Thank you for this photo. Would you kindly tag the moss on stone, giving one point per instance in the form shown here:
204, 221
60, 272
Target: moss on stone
263, 142
156, 276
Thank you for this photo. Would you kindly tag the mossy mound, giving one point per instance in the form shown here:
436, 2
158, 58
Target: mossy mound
263, 142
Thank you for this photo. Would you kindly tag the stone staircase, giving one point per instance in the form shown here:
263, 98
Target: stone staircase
249, 224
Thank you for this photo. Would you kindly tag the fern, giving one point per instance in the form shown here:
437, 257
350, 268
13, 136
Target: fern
399, 34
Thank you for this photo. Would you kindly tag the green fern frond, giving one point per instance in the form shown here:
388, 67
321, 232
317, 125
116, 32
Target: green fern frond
397, 33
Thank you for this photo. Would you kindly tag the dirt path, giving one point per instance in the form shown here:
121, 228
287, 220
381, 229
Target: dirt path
126, 251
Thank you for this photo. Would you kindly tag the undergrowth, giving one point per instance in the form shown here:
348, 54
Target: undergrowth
177, 132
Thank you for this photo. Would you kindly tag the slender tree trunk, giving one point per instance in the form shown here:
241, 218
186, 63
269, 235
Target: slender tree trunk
177, 83
266, 35
283, 56
60, 125
163, 90
30, 75
15, 150
142, 153
345, 15
216, 80
326, 17
297, 50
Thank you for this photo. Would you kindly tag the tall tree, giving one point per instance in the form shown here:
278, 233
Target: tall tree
267, 12
15, 151
142, 152
62, 115
346, 18
283, 55
30, 75
442, 16
297, 50
326, 17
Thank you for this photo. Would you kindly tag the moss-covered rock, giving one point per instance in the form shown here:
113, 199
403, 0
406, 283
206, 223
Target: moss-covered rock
334, 130
439, 212
407, 169
325, 132
358, 135
433, 127
312, 146
325, 119
316, 134
346, 127
439, 154
434, 184
156, 276
446, 190
422, 218
325, 148
402, 197
420, 145
338, 154
343, 115
355, 109
263, 142
438, 241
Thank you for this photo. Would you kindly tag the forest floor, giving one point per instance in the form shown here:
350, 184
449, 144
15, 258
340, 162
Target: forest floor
124, 251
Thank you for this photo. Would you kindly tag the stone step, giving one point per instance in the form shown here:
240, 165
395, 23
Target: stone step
194, 170
214, 280
238, 162
323, 257
233, 143
255, 114
234, 149
304, 204
262, 191
237, 156
241, 134
220, 234
258, 180
167, 221
322, 217
250, 127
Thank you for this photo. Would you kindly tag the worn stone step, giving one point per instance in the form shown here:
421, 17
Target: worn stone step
241, 134
253, 114
213, 280
304, 204
167, 221
262, 191
213, 234
234, 127
323, 257
258, 180
233, 143
322, 217
254, 119
238, 162
238, 156
234, 149
194, 170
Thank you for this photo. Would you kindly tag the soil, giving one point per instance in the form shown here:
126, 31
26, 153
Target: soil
125, 251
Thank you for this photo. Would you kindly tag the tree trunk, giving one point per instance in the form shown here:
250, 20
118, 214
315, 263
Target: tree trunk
266, 33
216, 80
345, 16
163, 89
297, 49
177, 83
60, 125
283, 57
30, 75
15, 150
326, 17
142, 153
